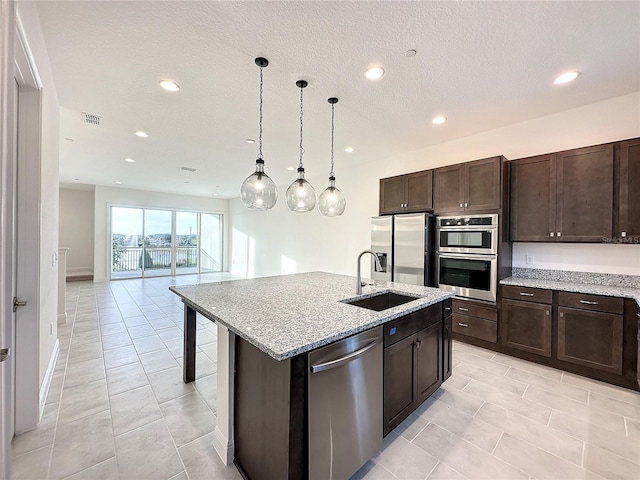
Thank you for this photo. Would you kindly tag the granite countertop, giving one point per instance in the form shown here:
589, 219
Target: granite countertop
292, 314
610, 285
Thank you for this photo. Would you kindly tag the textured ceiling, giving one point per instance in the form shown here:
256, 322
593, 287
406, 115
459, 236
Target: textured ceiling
481, 64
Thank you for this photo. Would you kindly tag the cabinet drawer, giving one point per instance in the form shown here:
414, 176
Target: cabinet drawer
401, 328
475, 327
462, 307
596, 303
527, 294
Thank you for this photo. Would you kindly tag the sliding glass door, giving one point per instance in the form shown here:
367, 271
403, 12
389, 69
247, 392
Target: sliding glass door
151, 242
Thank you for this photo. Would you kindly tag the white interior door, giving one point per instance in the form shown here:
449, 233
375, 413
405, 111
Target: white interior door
8, 161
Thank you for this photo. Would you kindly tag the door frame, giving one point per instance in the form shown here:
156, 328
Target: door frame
7, 220
29, 394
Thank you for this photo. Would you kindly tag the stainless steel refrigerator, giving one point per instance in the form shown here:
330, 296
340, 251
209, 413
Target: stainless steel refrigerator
404, 245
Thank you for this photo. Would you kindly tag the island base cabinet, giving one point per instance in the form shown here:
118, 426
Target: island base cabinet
592, 339
526, 326
412, 372
447, 354
270, 416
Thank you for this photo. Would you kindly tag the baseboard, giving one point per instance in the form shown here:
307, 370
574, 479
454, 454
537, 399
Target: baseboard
62, 318
46, 383
100, 279
223, 446
79, 278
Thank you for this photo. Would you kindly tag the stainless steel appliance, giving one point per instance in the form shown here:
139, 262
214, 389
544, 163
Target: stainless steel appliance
467, 256
465, 234
345, 405
404, 245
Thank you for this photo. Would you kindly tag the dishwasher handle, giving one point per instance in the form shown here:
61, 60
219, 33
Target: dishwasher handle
321, 367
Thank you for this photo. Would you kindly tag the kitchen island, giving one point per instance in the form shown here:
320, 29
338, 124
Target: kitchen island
273, 322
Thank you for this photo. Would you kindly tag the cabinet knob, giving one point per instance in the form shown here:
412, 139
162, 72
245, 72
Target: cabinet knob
547, 312
551, 234
460, 205
463, 324
559, 234
466, 204
623, 234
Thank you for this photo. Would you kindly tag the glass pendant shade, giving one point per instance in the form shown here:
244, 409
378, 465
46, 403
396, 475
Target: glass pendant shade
258, 192
331, 202
301, 197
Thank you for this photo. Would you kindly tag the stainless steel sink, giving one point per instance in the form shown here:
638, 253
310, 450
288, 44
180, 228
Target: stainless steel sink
382, 301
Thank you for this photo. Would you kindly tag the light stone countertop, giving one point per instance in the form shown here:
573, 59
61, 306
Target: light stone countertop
287, 315
609, 285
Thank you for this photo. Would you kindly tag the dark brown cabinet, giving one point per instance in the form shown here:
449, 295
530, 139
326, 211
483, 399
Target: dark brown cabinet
413, 363
475, 319
563, 197
627, 218
590, 331
467, 187
407, 193
526, 319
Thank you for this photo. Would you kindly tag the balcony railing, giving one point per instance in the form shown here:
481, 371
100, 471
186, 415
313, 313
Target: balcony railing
128, 259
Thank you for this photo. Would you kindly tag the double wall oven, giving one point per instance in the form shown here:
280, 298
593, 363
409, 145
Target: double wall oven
467, 255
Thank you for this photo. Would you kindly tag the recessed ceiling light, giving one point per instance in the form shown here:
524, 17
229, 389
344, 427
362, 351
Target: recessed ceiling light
186, 182
76, 179
141, 134
129, 160
250, 140
566, 77
374, 73
169, 86
117, 182
215, 194
439, 120
349, 149
290, 169
410, 53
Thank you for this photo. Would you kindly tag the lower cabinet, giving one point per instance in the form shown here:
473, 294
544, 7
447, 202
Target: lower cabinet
526, 326
447, 358
413, 365
475, 319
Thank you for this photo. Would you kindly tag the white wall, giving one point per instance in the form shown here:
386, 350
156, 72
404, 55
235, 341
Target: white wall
49, 165
77, 225
112, 196
280, 241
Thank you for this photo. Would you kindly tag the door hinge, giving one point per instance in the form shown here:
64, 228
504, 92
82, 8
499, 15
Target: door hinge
4, 354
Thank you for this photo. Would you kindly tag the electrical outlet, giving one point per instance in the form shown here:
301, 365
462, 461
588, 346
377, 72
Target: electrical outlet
54, 259
530, 260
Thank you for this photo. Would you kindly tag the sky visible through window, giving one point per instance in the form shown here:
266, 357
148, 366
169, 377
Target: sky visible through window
128, 221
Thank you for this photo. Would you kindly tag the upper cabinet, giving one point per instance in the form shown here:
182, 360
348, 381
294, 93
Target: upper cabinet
627, 218
563, 197
468, 187
407, 193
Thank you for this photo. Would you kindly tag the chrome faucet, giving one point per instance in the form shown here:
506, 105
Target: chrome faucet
359, 279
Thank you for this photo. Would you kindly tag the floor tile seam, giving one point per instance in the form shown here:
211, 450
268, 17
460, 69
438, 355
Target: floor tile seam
496, 445
392, 476
92, 466
617, 400
557, 456
452, 468
421, 430
432, 469
493, 385
590, 407
548, 379
635, 462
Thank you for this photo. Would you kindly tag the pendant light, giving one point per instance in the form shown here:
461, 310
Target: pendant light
301, 197
258, 191
331, 202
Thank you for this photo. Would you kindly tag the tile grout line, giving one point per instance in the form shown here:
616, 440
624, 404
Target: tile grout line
497, 443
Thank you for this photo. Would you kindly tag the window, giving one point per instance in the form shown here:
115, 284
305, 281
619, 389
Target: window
149, 242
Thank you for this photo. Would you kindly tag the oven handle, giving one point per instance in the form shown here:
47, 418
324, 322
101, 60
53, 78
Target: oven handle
468, 229
468, 256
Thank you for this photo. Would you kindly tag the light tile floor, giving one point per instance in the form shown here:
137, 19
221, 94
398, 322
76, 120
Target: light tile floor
118, 409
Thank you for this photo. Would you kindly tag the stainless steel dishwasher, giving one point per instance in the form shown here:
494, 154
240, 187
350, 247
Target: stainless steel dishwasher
345, 405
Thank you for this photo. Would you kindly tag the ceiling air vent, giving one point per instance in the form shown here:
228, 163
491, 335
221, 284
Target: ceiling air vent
188, 169
91, 119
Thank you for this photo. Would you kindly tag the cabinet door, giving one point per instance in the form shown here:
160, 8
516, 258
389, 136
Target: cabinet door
526, 326
592, 339
428, 353
533, 199
392, 194
447, 358
448, 187
399, 391
482, 184
628, 182
420, 191
584, 180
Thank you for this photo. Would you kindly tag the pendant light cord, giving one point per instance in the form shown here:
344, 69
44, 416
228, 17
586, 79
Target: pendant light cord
301, 149
332, 112
260, 137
